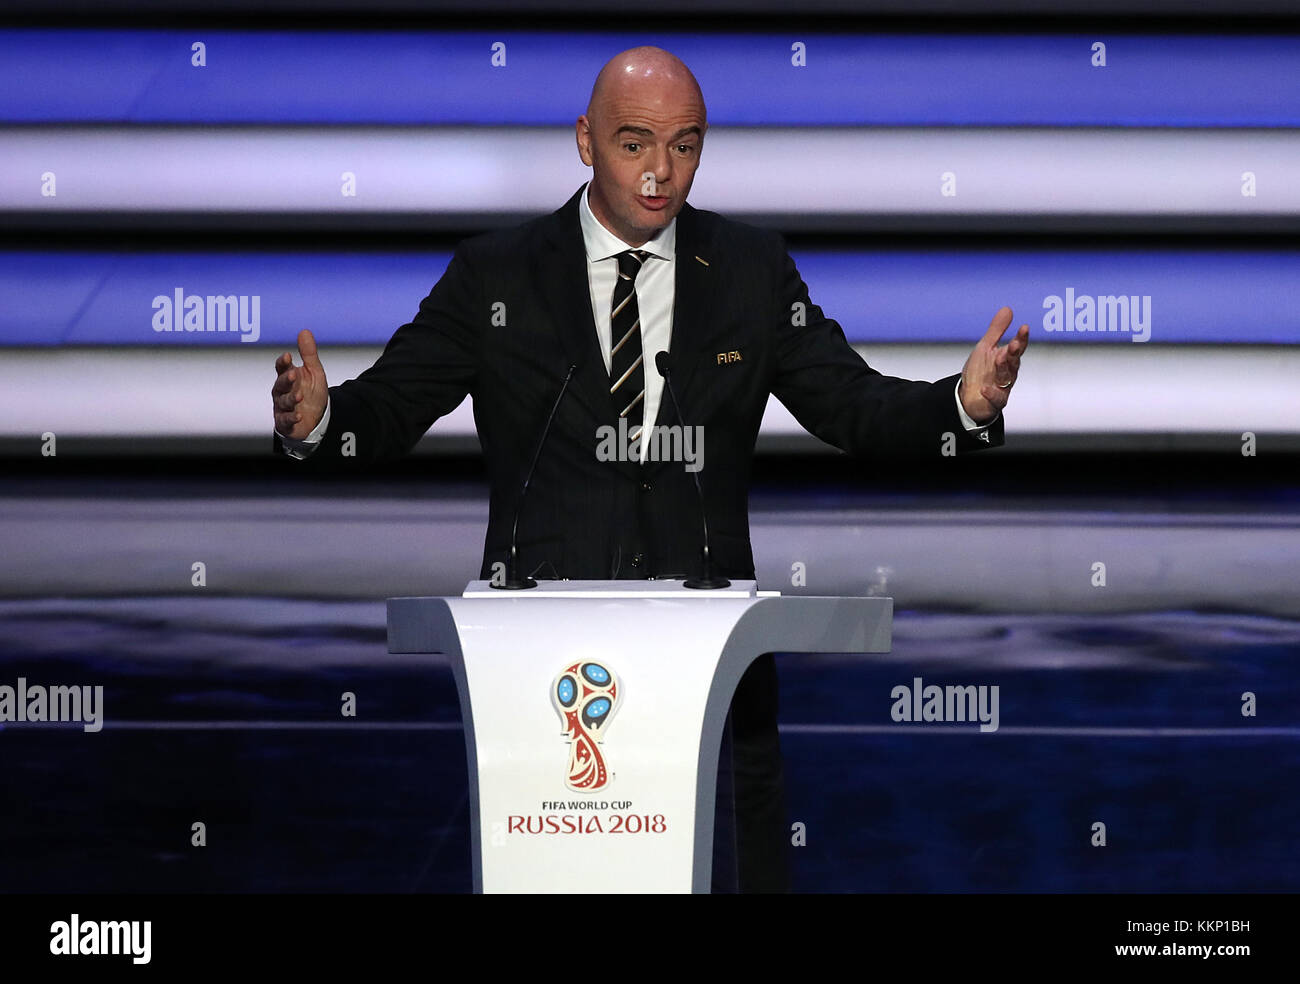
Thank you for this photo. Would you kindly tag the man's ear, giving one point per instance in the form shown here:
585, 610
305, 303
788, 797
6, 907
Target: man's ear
582, 133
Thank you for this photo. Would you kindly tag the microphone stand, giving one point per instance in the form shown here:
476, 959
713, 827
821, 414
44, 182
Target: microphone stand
707, 582
513, 582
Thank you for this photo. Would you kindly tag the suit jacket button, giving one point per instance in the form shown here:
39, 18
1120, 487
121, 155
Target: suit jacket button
646, 486
637, 559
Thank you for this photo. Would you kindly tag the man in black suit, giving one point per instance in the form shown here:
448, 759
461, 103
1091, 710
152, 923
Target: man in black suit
624, 270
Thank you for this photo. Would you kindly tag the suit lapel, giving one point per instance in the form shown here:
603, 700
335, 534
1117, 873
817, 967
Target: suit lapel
695, 325
561, 275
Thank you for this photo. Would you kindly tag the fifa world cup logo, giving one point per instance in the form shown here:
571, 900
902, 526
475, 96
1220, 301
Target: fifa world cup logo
586, 695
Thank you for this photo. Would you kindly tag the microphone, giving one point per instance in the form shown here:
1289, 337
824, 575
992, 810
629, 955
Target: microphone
663, 362
513, 581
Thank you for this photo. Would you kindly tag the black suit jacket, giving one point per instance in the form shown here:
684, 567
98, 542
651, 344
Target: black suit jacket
512, 313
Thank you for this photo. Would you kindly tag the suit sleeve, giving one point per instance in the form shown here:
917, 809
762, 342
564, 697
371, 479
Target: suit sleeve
426, 370
835, 395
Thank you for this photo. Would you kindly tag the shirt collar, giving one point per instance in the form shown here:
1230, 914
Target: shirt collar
602, 244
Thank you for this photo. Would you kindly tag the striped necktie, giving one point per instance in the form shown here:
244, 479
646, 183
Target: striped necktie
626, 364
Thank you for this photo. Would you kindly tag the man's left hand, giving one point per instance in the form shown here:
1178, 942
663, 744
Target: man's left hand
991, 369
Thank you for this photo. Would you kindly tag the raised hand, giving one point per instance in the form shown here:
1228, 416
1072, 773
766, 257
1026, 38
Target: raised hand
300, 393
991, 369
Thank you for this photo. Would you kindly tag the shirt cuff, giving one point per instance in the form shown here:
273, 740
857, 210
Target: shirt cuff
967, 420
300, 449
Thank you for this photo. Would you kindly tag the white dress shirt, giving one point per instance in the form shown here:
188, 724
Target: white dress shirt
656, 288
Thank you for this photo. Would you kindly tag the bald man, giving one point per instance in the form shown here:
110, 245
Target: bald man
593, 292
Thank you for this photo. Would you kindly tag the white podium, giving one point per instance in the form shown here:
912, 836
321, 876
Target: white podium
594, 712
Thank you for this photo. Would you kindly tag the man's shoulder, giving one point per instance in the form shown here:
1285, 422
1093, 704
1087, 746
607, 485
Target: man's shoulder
510, 240
727, 234
715, 223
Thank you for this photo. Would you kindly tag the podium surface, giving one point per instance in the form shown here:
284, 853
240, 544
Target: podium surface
593, 714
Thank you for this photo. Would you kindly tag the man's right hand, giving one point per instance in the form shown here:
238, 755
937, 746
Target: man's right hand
300, 392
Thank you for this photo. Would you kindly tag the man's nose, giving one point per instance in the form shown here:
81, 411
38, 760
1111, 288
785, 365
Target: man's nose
663, 167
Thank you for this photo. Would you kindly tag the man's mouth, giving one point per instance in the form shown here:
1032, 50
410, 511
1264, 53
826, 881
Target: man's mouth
654, 202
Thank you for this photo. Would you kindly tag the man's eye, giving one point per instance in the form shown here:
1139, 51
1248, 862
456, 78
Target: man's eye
686, 148
633, 147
